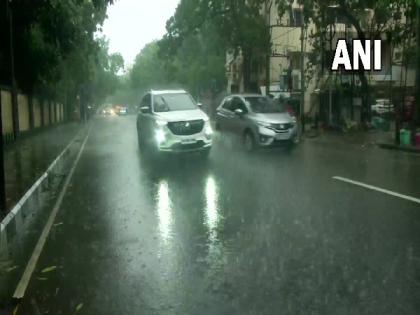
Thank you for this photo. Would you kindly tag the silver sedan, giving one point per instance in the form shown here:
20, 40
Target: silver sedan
257, 119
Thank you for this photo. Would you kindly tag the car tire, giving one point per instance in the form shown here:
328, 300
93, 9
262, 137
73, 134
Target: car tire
249, 141
295, 140
205, 153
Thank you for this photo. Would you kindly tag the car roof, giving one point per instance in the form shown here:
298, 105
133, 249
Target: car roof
158, 92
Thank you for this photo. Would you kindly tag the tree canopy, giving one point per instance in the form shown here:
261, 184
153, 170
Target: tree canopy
54, 46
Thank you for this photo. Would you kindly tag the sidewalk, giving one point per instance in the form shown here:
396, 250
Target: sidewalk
27, 159
37, 163
360, 139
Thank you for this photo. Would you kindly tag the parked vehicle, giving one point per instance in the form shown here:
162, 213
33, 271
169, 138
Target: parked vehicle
288, 104
171, 121
382, 106
122, 110
258, 120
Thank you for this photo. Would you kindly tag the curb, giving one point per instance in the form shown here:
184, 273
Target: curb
410, 149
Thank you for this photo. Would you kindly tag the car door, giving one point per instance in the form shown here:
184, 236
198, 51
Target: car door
224, 115
144, 120
238, 122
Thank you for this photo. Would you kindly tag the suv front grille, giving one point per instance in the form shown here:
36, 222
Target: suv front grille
282, 127
186, 128
190, 146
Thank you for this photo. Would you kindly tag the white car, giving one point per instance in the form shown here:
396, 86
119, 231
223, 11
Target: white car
382, 106
171, 121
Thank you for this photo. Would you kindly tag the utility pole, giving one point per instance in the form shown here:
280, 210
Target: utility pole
2, 181
15, 116
416, 111
268, 57
302, 76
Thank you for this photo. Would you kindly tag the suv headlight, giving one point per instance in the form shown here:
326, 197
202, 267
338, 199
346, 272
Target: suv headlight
161, 123
207, 129
160, 136
263, 124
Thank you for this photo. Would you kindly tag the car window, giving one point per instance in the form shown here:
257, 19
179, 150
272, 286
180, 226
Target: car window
262, 104
237, 103
146, 101
173, 102
227, 103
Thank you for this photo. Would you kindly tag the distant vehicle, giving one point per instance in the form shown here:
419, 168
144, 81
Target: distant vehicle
171, 121
108, 111
259, 121
122, 110
382, 106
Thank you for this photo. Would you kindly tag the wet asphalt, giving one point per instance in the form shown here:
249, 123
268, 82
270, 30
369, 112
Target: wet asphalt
27, 159
263, 233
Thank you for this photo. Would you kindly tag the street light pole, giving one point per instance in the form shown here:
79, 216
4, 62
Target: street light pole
416, 111
268, 58
2, 180
15, 116
302, 76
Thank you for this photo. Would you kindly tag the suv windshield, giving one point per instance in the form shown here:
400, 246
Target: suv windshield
263, 105
172, 102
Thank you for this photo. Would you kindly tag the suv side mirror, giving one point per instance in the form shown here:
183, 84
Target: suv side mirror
145, 110
239, 112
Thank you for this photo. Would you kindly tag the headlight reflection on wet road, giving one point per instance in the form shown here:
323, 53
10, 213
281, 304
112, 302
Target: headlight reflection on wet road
164, 210
212, 214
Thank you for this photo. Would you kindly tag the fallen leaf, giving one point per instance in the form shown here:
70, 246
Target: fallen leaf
11, 268
79, 307
58, 224
48, 269
42, 278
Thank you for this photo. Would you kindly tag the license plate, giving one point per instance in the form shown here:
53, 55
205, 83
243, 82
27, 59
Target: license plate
282, 136
188, 141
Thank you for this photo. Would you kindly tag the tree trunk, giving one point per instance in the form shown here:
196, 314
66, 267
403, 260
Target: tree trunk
346, 12
365, 115
246, 70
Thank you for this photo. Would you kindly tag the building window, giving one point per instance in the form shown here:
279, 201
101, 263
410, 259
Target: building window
295, 60
296, 82
296, 17
284, 84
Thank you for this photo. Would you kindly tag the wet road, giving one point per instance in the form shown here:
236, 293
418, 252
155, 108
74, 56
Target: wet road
269, 233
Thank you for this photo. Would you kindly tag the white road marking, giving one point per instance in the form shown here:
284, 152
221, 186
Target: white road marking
30, 191
385, 191
30, 267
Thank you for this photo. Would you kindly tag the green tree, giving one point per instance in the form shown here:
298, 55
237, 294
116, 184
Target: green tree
148, 70
237, 23
198, 63
54, 44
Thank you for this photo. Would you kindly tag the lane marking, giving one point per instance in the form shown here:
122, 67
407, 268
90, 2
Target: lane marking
30, 267
12, 213
382, 190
